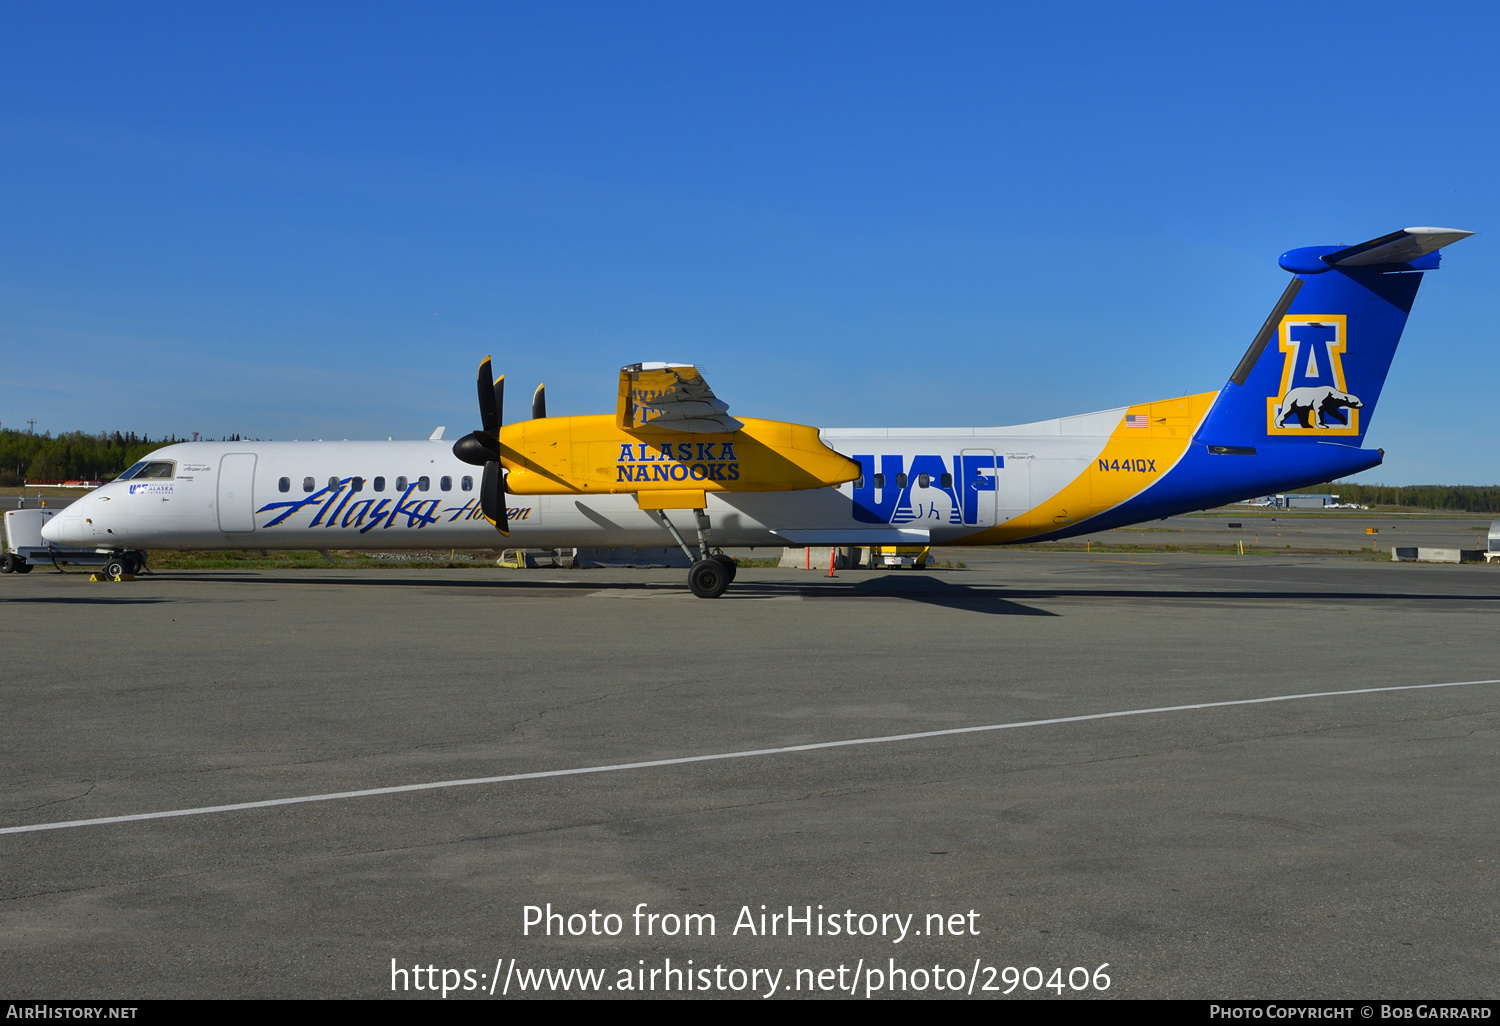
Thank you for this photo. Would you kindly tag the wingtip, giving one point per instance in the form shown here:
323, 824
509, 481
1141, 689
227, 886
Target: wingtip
1456, 233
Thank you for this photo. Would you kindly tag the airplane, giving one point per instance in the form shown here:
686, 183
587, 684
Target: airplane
671, 466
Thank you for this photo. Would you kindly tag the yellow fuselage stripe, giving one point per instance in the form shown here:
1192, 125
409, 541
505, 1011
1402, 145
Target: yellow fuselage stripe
1149, 451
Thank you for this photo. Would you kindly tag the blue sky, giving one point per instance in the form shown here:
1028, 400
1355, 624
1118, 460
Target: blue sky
313, 220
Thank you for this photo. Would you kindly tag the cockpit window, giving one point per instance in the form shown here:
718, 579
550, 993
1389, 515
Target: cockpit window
132, 471
158, 469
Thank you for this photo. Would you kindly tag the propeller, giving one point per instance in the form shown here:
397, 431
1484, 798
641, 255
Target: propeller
539, 403
482, 448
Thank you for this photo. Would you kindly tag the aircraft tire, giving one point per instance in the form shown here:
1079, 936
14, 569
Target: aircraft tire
115, 567
708, 578
729, 564
132, 562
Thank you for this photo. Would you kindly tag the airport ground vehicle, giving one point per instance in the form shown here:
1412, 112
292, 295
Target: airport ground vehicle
1294, 412
900, 556
22, 547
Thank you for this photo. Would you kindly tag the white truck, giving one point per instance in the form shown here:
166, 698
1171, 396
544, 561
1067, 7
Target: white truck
21, 548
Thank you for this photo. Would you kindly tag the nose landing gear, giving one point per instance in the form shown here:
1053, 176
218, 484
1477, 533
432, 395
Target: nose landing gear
126, 564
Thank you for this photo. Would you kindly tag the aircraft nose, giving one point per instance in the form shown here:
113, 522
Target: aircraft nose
52, 531
67, 527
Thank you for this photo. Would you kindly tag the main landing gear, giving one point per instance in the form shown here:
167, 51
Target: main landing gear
712, 572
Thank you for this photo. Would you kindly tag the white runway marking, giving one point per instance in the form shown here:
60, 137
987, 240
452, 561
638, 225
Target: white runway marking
685, 760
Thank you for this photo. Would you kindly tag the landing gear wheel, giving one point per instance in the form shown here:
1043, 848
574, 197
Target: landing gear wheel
728, 562
7, 563
133, 562
708, 578
115, 567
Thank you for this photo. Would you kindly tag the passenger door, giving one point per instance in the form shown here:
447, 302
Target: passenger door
236, 497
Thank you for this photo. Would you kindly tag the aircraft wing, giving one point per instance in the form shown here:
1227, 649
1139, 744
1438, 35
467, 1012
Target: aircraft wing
671, 397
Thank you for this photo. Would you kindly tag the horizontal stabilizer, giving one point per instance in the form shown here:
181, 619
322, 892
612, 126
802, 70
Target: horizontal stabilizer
1396, 248
858, 536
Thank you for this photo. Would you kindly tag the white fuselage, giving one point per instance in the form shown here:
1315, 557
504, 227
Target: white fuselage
937, 485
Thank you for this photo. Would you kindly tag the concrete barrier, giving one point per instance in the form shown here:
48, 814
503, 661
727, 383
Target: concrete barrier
584, 559
815, 557
1427, 554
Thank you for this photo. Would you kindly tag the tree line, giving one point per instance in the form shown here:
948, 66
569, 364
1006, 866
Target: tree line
73, 455
1458, 498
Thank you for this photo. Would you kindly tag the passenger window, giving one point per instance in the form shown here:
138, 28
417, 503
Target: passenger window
161, 469
423, 483
946, 480
400, 484
446, 484
879, 480
308, 484
333, 483
356, 484
923, 480
284, 485
859, 482
900, 480
380, 484
467, 483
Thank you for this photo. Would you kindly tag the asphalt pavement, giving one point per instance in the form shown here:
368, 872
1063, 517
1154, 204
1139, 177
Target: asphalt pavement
1161, 794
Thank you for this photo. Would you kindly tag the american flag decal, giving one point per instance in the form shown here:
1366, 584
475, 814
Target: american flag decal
1138, 420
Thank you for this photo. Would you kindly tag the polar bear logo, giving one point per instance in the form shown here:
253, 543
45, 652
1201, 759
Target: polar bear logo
1311, 405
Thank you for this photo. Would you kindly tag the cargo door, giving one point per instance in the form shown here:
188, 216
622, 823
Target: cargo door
1014, 492
236, 499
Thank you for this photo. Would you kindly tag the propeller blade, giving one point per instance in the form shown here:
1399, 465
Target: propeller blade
539, 402
477, 448
489, 411
499, 391
492, 497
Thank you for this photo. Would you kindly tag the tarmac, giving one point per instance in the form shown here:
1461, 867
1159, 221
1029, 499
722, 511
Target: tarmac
1160, 796
1334, 531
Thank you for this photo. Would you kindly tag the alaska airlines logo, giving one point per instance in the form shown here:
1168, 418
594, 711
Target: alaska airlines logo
686, 461
1313, 395
334, 509
886, 496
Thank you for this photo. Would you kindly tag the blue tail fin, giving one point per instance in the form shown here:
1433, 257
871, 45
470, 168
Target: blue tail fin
1316, 369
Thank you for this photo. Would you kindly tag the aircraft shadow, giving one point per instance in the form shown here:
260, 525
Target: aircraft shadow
929, 590
989, 599
911, 588
78, 600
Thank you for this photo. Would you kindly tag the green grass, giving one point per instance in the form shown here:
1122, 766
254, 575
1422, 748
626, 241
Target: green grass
1205, 549
296, 559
